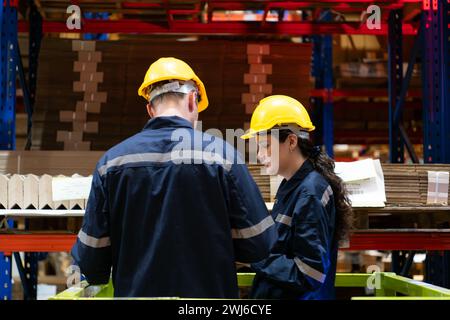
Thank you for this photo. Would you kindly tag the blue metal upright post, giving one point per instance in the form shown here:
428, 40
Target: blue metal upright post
5, 277
436, 112
322, 71
395, 71
8, 21
436, 84
99, 16
35, 37
328, 112
31, 272
8, 51
34, 48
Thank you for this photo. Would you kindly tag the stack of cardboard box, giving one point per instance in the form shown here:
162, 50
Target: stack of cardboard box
256, 79
86, 65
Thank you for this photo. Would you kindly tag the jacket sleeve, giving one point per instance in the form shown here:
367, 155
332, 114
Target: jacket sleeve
92, 250
307, 269
252, 227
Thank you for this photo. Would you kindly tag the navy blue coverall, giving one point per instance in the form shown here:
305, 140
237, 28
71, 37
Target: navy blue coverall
170, 211
302, 263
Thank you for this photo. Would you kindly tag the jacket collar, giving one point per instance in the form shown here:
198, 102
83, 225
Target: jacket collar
287, 186
165, 122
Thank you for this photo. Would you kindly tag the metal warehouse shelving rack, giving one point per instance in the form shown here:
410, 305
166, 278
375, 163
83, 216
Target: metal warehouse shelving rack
196, 17
401, 239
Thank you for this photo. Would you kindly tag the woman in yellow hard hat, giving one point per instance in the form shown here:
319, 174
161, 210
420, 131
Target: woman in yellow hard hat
312, 209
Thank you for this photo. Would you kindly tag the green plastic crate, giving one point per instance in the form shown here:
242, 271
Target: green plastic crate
388, 286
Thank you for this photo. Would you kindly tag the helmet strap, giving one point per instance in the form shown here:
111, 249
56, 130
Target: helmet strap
295, 130
173, 86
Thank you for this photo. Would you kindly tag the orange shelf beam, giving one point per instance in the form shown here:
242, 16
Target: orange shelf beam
43, 242
359, 241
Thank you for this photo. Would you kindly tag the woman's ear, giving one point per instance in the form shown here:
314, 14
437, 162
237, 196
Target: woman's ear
293, 141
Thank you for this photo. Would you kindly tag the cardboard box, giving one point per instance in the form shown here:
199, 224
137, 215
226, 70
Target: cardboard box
261, 88
363, 70
250, 107
79, 66
90, 107
76, 204
249, 98
89, 127
64, 205
254, 59
86, 76
80, 145
88, 56
80, 45
78, 126
31, 192
45, 192
255, 78
79, 86
40, 162
15, 192
259, 49
4, 180
260, 69
95, 97
66, 116
63, 136
69, 116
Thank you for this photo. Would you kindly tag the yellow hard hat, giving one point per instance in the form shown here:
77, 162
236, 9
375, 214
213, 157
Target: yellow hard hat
173, 69
278, 110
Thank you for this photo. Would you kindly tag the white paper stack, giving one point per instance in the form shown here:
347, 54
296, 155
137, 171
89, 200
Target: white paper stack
364, 180
71, 188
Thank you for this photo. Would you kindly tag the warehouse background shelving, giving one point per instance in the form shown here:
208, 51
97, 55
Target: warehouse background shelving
419, 27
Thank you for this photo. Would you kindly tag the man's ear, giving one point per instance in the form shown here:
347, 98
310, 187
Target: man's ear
192, 103
150, 110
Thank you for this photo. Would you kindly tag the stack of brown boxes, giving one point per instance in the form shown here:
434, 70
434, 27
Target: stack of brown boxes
86, 65
124, 64
257, 76
406, 185
409, 184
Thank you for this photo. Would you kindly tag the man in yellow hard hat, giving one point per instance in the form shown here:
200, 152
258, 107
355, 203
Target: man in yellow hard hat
311, 210
171, 221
